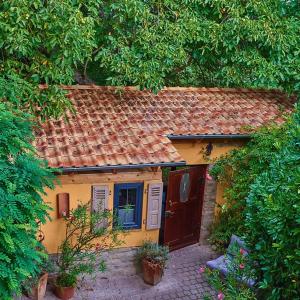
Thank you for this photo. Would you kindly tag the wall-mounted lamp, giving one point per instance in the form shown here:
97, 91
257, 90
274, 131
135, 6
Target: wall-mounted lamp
208, 149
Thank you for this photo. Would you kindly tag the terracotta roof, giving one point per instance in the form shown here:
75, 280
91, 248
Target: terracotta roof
132, 127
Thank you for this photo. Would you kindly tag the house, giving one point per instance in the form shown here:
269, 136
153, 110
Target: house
150, 152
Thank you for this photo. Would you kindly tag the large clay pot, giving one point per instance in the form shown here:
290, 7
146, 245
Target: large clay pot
152, 273
64, 293
38, 292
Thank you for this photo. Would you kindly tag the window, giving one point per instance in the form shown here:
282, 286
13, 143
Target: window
128, 199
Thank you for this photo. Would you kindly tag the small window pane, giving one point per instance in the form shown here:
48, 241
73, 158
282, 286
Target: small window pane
132, 197
126, 215
123, 197
127, 205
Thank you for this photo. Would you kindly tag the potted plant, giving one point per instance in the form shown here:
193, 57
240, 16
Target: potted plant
153, 258
87, 233
35, 287
38, 287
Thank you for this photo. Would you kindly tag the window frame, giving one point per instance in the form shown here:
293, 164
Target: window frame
139, 186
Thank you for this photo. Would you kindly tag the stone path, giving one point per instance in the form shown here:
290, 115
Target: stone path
181, 280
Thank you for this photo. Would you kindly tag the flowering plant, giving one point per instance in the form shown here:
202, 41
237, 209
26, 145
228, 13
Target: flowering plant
87, 234
232, 287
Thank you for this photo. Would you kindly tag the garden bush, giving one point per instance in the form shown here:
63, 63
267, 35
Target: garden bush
88, 233
273, 220
238, 170
232, 287
23, 178
263, 205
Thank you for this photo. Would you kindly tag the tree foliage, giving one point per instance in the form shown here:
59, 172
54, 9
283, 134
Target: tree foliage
22, 181
198, 42
43, 42
40, 42
146, 43
263, 205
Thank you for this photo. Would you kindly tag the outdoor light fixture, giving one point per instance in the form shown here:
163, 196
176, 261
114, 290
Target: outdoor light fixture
208, 149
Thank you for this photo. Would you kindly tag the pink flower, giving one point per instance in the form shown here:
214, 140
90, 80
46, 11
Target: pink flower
201, 269
242, 266
208, 177
243, 251
97, 246
221, 296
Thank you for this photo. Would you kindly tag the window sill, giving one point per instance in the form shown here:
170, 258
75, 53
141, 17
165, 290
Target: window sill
132, 229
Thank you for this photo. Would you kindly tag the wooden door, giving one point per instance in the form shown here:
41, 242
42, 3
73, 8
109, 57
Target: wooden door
184, 207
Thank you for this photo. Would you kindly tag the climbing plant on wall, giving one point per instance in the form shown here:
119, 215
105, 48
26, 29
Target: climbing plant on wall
237, 171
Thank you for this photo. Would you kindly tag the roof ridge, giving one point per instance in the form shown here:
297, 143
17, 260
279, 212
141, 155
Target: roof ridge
177, 88
222, 89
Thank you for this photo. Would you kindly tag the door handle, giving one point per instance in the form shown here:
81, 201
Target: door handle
169, 213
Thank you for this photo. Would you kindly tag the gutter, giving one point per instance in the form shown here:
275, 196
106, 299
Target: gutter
169, 164
111, 167
207, 136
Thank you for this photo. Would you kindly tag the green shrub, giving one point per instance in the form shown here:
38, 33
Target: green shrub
238, 170
273, 220
263, 205
230, 288
154, 253
67, 280
23, 178
231, 221
84, 240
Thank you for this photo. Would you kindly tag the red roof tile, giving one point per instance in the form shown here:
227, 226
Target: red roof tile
132, 127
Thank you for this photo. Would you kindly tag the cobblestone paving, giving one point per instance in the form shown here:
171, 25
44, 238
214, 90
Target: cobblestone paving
181, 280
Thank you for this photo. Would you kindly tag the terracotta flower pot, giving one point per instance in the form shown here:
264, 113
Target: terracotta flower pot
64, 293
38, 292
152, 273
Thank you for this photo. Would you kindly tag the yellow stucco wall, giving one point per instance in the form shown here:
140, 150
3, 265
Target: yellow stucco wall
192, 151
79, 188
219, 197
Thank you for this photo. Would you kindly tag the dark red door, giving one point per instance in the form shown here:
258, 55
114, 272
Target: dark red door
184, 207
